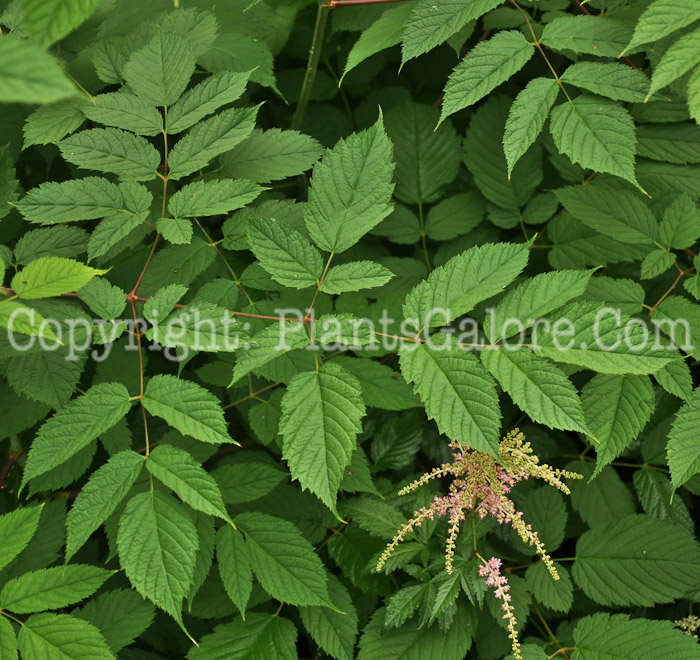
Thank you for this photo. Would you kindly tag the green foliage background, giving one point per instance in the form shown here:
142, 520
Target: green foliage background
246, 156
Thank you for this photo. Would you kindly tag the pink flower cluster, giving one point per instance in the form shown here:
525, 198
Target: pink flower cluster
491, 570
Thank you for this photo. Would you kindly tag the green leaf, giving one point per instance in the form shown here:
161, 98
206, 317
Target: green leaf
660, 18
522, 306
100, 496
159, 72
70, 201
683, 449
176, 230
355, 276
601, 636
537, 387
268, 344
24, 320
457, 392
157, 526
676, 379
616, 408
74, 426
161, 303
110, 231
615, 80
597, 134
120, 615
680, 226
656, 263
321, 417
206, 97
612, 210
8, 641
464, 281
593, 35
247, 482
455, 216
655, 493
636, 560
105, 299
212, 197
431, 23
126, 111
17, 529
52, 276
333, 630
28, 74
187, 407
284, 562
48, 21
373, 515
210, 138
350, 189
559, 595
234, 566
680, 58
52, 588
256, 637
270, 155
669, 143
484, 68
285, 253
527, 116
62, 636
181, 473
50, 123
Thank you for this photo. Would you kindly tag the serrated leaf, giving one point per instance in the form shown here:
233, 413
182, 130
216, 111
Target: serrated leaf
209, 138
48, 21
559, 595
636, 560
212, 197
234, 566
655, 493
176, 230
597, 134
104, 299
464, 281
350, 189
247, 482
50, 123
24, 320
28, 74
161, 303
62, 636
681, 57
457, 392
126, 111
159, 72
59, 241
76, 425
270, 155
615, 80
676, 379
52, 588
656, 263
180, 472
283, 560
285, 253
187, 407
8, 641
52, 276
680, 226
484, 68
537, 387
206, 97
683, 450
355, 276
455, 216
17, 528
100, 496
110, 231
157, 526
527, 116
660, 18
321, 417
373, 515
594, 35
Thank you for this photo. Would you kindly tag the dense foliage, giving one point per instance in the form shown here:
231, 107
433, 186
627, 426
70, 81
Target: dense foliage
266, 263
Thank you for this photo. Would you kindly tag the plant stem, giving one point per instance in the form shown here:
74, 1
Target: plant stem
312, 66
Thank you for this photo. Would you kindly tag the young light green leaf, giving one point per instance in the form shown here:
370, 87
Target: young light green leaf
25, 320
234, 566
52, 588
527, 116
285, 253
180, 472
48, 21
615, 80
187, 407
100, 496
16, 529
321, 417
210, 138
484, 68
355, 276
457, 392
537, 387
350, 189
284, 562
125, 111
62, 636
683, 449
270, 155
597, 134
74, 426
616, 408
159, 72
52, 276
206, 97
212, 197
157, 526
